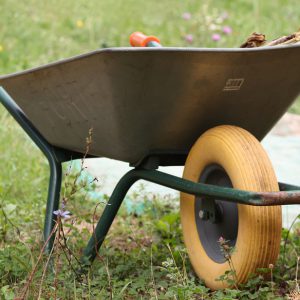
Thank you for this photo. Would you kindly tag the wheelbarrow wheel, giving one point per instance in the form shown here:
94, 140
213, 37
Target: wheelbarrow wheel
230, 156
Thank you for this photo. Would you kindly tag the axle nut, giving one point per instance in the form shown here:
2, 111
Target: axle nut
203, 215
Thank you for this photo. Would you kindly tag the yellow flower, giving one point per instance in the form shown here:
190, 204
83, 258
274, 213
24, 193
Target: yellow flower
79, 23
1, 48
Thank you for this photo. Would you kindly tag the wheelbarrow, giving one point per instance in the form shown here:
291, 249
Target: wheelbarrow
152, 106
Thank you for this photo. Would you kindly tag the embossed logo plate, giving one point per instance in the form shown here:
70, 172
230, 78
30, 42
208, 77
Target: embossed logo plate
233, 84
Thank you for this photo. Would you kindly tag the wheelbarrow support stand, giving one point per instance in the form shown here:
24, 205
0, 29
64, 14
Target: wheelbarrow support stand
55, 158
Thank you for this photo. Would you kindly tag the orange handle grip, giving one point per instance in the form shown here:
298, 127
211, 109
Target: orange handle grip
138, 39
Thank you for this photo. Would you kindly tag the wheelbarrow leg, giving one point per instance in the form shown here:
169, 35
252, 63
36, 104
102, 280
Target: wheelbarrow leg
107, 217
55, 158
52, 202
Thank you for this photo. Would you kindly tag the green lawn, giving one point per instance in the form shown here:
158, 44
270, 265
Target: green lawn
35, 32
144, 257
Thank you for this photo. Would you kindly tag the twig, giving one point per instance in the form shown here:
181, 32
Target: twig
29, 280
45, 269
98, 255
280, 40
71, 253
67, 257
74, 189
60, 242
56, 265
258, 40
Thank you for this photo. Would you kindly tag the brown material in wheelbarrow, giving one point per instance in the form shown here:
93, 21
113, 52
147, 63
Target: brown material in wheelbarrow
259, 40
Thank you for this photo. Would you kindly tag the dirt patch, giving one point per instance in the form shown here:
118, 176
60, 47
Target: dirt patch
120, 239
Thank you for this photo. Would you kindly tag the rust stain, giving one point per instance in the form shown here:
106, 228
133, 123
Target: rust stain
279, 198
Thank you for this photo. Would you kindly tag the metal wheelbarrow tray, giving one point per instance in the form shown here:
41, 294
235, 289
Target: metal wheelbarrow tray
147, 107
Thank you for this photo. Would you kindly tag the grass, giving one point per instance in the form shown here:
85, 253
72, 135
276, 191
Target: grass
37, 32
143, 257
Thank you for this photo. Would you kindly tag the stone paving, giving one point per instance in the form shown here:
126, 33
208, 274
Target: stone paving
282, 145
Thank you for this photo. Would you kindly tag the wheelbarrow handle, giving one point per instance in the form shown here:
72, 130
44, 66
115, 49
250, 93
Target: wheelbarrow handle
138, 39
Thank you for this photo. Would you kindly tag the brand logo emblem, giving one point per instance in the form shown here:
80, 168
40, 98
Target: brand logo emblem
233, 84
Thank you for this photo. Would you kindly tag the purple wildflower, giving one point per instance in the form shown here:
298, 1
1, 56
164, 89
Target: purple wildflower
227, 29
62, 214
221, 240
216, 37
189, 38
186, 16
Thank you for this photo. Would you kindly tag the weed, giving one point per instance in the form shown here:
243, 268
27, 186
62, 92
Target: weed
230, 275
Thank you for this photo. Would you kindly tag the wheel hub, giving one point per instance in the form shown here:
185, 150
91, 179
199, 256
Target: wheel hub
215, 218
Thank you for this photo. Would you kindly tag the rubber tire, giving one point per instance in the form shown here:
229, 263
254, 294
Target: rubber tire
259, 228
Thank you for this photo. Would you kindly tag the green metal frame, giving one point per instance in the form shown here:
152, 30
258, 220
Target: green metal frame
211, 192
289, 194
54, 155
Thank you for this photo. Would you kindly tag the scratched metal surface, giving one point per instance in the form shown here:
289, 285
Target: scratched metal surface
141, 101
